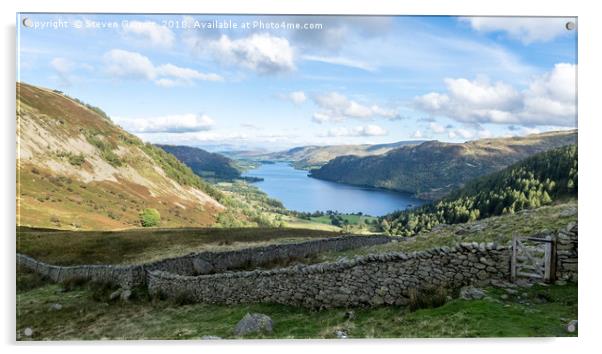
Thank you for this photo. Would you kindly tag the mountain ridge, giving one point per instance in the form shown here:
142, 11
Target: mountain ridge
432, 169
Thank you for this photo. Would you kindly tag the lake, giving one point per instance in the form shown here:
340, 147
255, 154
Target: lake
299, 192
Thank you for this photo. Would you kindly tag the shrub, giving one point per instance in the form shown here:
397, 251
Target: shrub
77, 160
150, 217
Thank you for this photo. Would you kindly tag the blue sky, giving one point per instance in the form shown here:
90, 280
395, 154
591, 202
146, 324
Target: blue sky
332, 80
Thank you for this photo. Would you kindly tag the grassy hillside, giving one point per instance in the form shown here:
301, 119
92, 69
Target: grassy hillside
432, 169
205, 164
143, 245
308, 157
77, 170
538, 180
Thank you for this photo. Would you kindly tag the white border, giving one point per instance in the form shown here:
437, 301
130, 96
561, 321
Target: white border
589, 171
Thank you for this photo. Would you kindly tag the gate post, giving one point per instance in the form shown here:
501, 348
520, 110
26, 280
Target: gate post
550, 260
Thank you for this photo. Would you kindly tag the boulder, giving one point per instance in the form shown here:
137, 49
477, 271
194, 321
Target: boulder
253, 323
210, 337
341, 334
56, 307
28, 332
571, 327
471, 293
115, 294
125, 295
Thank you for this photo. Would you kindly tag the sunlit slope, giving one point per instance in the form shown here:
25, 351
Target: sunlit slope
76, 169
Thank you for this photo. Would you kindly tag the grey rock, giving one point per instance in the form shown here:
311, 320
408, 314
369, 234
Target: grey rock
115, 294
125, 295
253, 323
471, 293
28, 332
571, 327
341, 333
210, 337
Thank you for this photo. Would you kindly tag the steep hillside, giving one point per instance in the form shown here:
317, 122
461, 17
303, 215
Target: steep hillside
538, 180
308, 157
205, 164
77, 170
432, 169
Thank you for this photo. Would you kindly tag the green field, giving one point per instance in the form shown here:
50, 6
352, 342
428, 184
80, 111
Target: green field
87, 313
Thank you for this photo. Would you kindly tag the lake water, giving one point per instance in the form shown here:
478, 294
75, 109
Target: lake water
299, 192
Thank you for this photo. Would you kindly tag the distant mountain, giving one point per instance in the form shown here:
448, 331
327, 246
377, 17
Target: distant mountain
78, 170
205, 164
535, 181
313, 156
432, 169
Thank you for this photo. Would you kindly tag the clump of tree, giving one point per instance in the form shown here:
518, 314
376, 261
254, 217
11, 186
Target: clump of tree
533, 182
150, 217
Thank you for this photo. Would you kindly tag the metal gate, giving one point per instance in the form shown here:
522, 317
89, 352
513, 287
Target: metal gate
533, 257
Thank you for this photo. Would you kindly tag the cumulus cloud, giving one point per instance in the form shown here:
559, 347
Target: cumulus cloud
335, 107
550, 99
368, 130
131, 65
297, 97
183, 123
436, 128
149, 32
262, 53
524, 29
417, 134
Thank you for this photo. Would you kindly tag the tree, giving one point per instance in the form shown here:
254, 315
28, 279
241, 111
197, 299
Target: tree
150, 217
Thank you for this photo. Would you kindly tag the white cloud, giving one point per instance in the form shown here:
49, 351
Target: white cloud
524, 29
131, 65
297, 97
437, 128
263, 53
149, 32
368, 130
340, 61
336, 107
550, 99
183, 123
417, 134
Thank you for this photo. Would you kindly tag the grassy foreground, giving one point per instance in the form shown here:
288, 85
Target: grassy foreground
85, 314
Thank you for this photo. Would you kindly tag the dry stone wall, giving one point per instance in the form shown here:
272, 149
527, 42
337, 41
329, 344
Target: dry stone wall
215, 262
566, 253
124, 276
369, 280
128, 276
